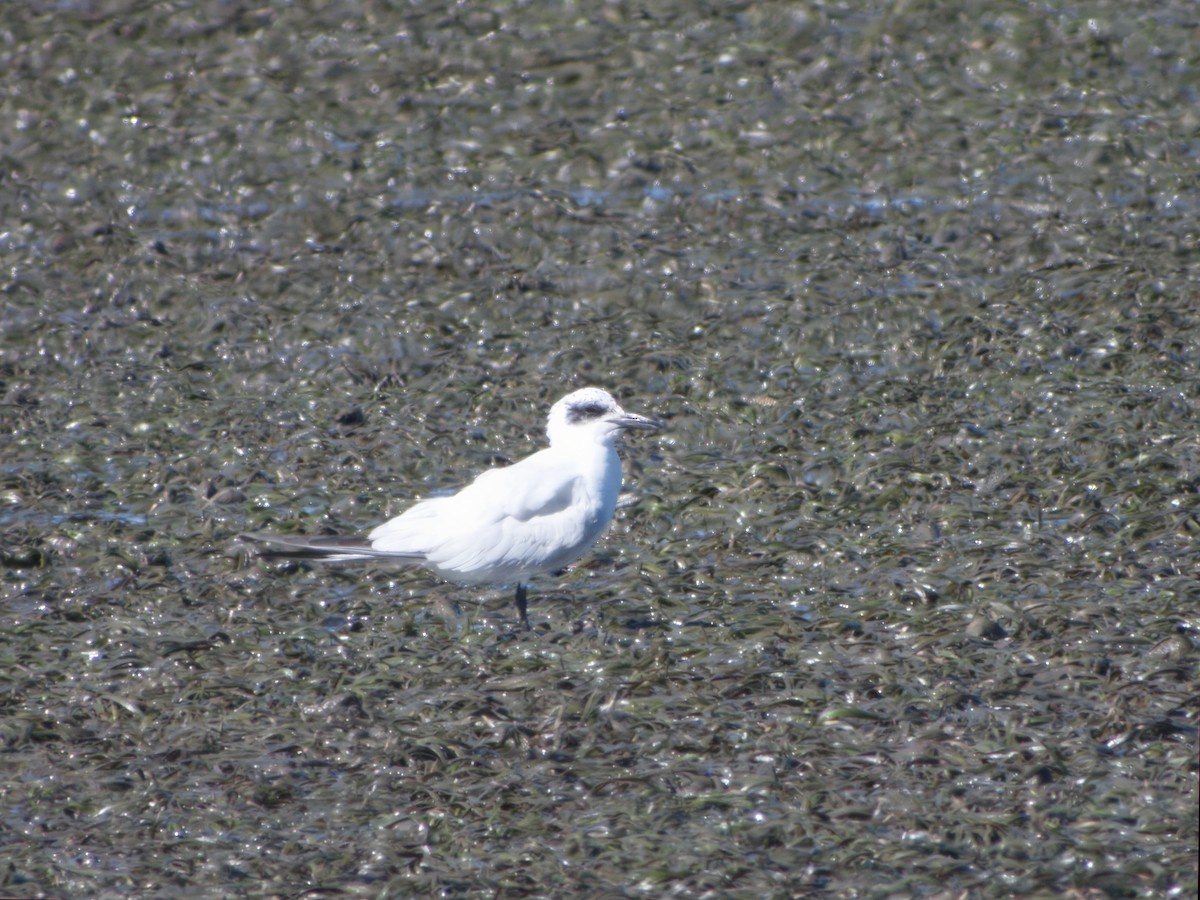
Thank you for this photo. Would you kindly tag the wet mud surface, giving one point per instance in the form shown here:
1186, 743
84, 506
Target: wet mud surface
904, 600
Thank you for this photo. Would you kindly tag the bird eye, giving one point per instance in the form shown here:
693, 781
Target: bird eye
585, 412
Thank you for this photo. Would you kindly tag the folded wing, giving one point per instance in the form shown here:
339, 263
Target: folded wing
534, 516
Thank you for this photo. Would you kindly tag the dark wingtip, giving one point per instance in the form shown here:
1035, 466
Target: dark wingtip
332, 547
277, 545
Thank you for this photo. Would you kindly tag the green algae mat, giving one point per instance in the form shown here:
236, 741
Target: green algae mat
902, 602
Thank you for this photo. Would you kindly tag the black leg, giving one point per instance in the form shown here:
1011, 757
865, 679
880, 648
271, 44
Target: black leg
522, 606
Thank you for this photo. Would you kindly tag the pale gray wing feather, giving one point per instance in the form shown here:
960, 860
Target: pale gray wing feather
498, 528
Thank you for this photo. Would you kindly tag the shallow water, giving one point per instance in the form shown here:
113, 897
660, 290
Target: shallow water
906, 601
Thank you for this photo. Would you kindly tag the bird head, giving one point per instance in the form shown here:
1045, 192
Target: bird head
591, 412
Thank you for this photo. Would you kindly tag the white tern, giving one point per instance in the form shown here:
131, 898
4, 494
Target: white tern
509, 524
